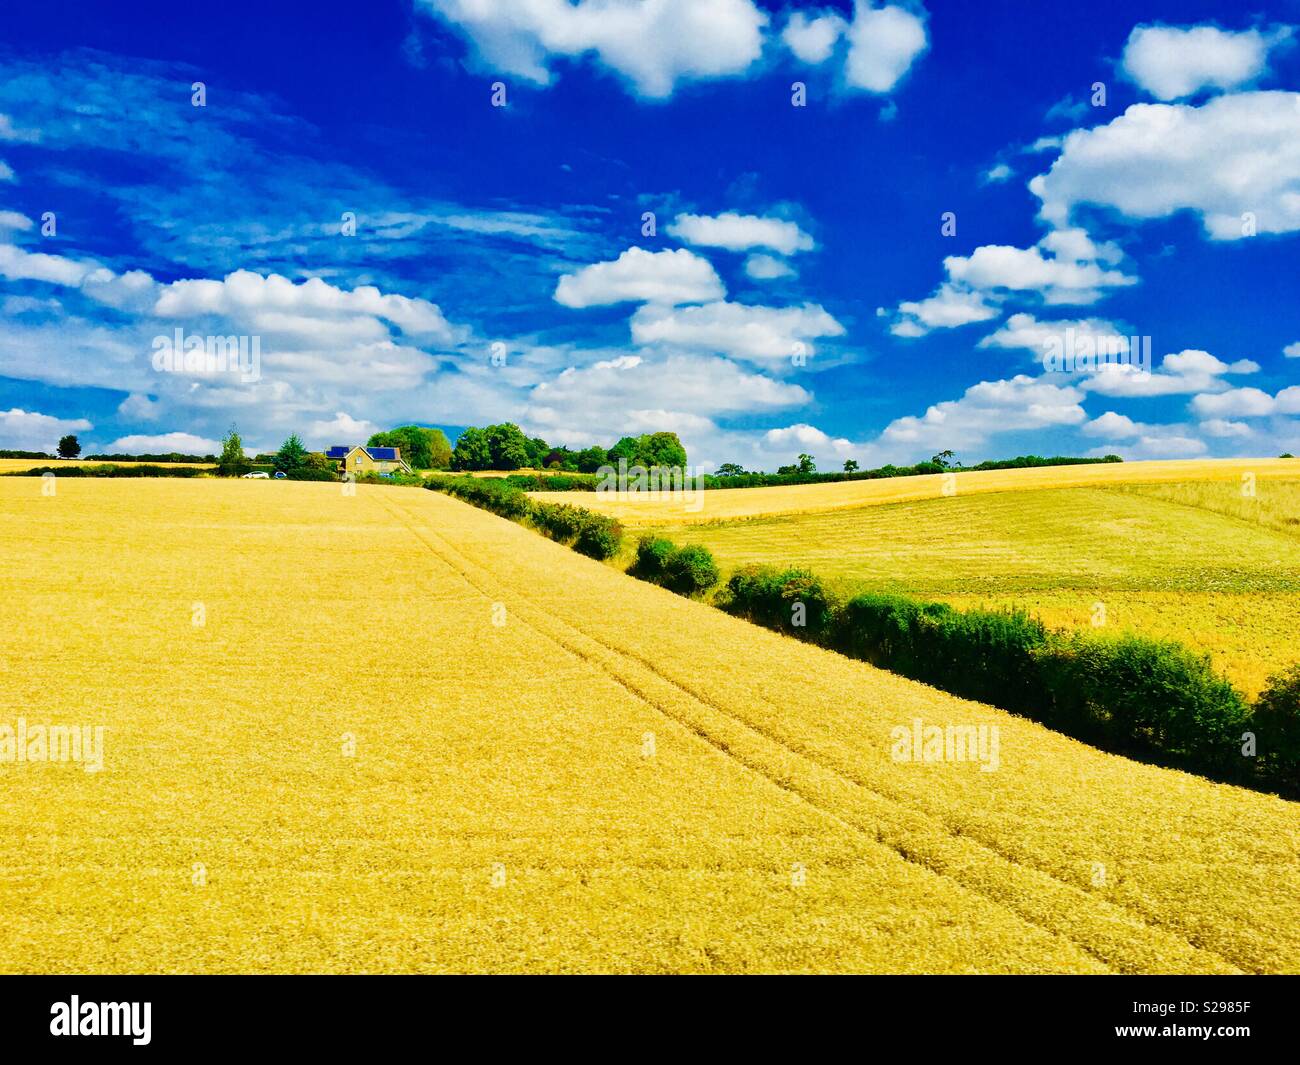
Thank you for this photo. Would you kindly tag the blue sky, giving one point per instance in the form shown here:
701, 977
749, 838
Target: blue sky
1110, 169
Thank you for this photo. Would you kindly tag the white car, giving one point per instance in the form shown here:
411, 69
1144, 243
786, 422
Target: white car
257, 475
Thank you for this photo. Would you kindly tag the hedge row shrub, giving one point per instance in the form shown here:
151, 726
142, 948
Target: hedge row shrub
109, 470
689, 570
588, 533
1133, 695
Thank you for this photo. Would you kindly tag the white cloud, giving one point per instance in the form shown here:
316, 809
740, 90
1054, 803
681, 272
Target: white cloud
1226, 429
1065, 267
808, 439
23, 430
654, 44
6, 171
341, 429
1159, 442
1238, 155
1292, 351
668, 277
812, 39
762, 267
949, 307
990, 407
10, 132
757, 334
1247, 403
883, 44
314, 308
740, 232
997, 174
1182, 373
138, 407
182, 443
1112, 426
1171, 62
1027, 332
12, 221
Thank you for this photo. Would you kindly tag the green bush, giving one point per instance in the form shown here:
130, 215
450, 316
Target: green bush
1276, 724
688, 570
691, 570
308, 473
1130, 694
792, 601
559, 521
600, 538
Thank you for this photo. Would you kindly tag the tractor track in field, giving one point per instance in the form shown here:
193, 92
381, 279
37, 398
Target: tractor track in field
1109, 930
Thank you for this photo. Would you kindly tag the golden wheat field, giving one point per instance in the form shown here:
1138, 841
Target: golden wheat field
387, 732
662, 508
20, 465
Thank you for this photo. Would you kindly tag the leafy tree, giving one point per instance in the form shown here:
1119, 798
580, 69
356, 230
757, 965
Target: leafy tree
291, 454
662, 449
806, 464
537, 451
315, 460
472, 451
626, 448
422, 448
508, 446
68, 447
944, 459
232, 461
590, 459
850, 466
730, 469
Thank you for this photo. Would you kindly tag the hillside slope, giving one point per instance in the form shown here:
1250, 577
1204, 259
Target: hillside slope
729, 504
610, 779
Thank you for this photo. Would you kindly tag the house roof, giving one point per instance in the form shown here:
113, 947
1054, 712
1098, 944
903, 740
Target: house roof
382, 454
337, 451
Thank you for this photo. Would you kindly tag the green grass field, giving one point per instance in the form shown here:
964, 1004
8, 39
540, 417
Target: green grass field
1195, 562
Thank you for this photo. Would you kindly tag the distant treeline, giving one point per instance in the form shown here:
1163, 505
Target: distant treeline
110, 470
588, 482
171, 456
25, 455
768, 480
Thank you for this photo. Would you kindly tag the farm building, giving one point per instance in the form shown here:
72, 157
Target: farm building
358, 459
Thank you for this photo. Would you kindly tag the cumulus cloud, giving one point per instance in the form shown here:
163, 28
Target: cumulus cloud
667, 277
653, 44
990, 407
1181, 373
997, 174
1292, 351
1065, 267
29, 430
813, 38
1112, 426
760, 267
138, 407
1027, 332
314, 307
1226, 429
804, 438
1234, 162
1247, 403
753, 333
740, 232
1171, 62
883, 44
341, 429
184, 443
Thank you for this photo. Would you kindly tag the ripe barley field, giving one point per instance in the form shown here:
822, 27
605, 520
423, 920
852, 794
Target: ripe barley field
731, 504
387, 732
1192, 561
20, 465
